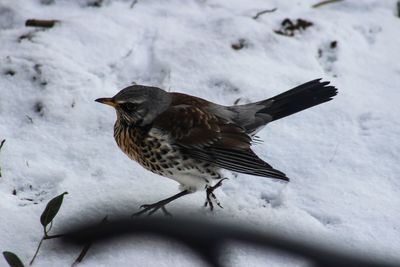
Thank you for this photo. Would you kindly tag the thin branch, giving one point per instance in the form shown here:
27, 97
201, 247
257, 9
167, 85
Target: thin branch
264, 12
37, 251
325, 2
2, 143
82, 254
45, 237
53, 236
86, 248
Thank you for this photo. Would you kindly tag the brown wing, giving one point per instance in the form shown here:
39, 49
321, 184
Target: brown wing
206, 137
191, 127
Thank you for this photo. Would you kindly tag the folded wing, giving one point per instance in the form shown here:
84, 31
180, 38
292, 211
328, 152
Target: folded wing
204, 136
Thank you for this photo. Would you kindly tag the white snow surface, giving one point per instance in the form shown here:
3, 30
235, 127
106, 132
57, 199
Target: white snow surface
342, 156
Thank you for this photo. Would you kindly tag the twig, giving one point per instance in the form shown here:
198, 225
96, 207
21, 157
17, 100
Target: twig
53, 236
46, 218
41, 23
45, 237
1, 145
86, 248
82, 254
37, 251
325, 2
264, 11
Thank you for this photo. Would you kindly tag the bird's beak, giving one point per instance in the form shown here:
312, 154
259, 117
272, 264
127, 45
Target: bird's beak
107, 101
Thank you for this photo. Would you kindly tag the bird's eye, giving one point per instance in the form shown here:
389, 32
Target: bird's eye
129, 107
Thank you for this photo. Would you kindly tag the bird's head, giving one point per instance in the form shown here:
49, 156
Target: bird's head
138, 104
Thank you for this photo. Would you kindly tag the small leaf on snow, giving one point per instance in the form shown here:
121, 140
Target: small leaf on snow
12, 259
51, 209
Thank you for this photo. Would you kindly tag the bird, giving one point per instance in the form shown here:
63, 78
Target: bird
191, 140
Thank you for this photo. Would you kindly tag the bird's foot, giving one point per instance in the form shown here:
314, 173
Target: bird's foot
211, 198
151, 208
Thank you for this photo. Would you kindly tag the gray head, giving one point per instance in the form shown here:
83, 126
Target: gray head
138, 104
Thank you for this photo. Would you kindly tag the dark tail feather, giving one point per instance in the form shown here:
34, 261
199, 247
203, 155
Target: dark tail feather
299, 98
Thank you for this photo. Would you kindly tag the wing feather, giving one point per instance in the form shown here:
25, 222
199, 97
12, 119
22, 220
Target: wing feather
206, 137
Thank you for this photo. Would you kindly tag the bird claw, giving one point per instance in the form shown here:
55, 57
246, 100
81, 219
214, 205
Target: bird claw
152, 208
211, 196
210, 199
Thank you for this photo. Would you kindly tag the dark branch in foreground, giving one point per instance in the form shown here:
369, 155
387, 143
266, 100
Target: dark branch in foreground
208, 237
86, 248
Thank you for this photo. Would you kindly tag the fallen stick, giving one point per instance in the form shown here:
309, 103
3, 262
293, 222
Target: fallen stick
325, 2
40, 23
263, 12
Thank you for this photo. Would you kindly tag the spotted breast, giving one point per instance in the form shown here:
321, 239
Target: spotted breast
153, 150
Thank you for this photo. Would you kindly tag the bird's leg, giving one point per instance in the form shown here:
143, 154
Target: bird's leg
151, 208
211, 196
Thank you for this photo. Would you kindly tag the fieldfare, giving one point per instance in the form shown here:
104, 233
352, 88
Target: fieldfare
189, 139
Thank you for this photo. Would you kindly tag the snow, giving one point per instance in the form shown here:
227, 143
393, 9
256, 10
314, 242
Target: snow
342, 156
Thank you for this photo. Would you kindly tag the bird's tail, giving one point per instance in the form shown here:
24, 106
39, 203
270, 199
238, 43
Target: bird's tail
254, 116
297, 99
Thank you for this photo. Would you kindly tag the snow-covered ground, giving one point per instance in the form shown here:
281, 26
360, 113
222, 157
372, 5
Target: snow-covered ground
342, 156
